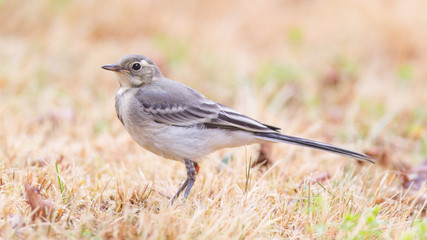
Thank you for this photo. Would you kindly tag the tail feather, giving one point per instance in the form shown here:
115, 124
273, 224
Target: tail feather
277, 137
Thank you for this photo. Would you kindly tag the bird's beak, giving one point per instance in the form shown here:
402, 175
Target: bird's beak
113, 67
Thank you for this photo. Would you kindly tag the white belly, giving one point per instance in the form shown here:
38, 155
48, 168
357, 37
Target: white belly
179, 143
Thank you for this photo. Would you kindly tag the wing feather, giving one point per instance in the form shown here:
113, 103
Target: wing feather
179, 105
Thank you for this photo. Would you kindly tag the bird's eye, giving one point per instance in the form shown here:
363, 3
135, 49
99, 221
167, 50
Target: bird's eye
136, 66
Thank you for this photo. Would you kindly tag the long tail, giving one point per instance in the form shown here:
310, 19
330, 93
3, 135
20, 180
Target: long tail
277, 137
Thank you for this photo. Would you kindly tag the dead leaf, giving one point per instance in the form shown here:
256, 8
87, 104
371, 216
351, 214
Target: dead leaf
415, 177
333, 78
412, 179
381, 155
38, 204
264, 157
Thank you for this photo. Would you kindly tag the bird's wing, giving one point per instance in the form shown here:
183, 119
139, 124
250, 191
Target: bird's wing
228, 118
176, 109
173, 103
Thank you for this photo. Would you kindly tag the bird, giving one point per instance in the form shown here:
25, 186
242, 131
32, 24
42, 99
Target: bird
176, 122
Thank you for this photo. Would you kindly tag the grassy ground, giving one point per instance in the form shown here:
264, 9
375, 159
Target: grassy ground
349, 73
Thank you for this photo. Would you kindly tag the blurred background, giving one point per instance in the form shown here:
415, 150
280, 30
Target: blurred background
351, 72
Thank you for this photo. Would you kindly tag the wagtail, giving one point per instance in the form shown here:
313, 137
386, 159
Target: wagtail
176, 122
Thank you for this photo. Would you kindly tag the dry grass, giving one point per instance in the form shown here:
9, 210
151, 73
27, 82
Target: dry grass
350, 73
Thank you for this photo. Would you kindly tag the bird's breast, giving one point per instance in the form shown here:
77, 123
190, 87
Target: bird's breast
127, 107
133, 117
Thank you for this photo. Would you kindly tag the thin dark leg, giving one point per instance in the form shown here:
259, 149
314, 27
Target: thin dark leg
179, 191
191, 178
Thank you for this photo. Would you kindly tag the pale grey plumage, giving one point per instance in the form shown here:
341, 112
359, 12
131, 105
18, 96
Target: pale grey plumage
177, 122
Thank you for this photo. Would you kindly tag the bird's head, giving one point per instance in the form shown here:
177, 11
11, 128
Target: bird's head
134, 70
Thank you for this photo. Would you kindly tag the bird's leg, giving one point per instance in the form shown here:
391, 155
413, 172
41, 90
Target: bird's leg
192, 170
191, 176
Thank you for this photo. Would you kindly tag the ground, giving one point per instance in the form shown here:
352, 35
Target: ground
350, 73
